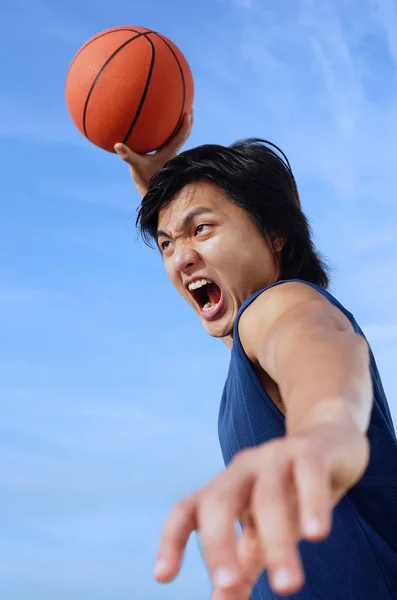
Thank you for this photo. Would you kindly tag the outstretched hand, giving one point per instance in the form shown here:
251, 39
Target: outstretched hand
284, 491
144, 166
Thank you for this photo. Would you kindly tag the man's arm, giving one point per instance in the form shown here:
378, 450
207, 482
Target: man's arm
285, 489
309, 348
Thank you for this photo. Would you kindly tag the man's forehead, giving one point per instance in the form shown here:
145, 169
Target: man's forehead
191, 200
182, 202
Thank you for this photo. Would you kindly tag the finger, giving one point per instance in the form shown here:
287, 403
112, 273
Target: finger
251, 554
313, 488
219, 508
243, 591
274, 517
176, 532
179, 139
183, 132
217, 516
127, 154
171, 149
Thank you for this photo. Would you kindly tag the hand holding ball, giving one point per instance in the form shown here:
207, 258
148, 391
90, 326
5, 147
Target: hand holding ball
129, 85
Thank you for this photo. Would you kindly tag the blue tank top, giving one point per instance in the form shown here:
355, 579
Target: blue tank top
358, 561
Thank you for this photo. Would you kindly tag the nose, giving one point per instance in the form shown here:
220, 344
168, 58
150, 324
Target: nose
185, 258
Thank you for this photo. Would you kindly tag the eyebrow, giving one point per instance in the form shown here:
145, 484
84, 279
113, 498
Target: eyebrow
187, 220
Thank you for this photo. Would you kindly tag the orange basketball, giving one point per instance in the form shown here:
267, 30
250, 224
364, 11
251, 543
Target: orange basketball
130, 85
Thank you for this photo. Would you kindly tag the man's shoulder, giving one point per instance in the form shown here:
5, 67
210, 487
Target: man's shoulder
281, 303
280, 297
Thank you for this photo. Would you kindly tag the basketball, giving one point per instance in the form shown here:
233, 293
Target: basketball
129, 85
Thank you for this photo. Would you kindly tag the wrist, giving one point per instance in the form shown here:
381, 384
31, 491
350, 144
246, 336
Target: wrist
326, 417
142, 189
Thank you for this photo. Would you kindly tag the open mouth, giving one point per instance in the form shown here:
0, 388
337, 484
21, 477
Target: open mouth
207, 294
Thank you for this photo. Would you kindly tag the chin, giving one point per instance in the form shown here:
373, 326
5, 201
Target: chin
219, 330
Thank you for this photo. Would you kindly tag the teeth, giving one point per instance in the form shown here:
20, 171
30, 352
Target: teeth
198, 284
209, 306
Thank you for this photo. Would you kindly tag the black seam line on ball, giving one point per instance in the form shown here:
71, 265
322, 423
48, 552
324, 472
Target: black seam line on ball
102, 69
145, 90
178, 123
99, 36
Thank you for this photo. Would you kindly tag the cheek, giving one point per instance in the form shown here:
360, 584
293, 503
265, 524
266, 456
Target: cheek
219, 249
210, 246
256, 248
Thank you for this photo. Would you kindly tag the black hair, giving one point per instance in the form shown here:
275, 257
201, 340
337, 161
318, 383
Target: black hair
256, 175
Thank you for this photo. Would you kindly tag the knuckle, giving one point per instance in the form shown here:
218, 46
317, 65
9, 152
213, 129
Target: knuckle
265, 498
181, 508
242, 458
303, 448
279, 550
213, 498
272, 451
311, 454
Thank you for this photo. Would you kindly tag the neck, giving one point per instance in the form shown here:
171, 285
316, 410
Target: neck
228, 340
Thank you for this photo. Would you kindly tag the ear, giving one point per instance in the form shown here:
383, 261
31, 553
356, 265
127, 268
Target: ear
278, 244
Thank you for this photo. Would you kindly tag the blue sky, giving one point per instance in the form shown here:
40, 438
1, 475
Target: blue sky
109, 388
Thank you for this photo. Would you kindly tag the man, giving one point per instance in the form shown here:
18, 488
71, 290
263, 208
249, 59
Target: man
304, 424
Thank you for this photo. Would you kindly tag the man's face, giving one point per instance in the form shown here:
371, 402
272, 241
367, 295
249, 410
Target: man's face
204, 237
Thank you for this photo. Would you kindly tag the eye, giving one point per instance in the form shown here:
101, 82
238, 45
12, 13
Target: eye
199, 228
164, 245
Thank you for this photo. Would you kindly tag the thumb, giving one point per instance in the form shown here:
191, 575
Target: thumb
132, 158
